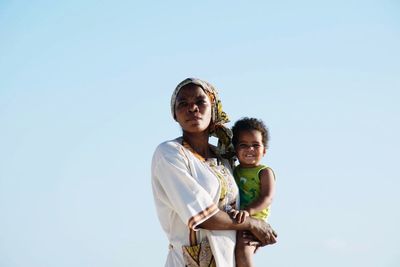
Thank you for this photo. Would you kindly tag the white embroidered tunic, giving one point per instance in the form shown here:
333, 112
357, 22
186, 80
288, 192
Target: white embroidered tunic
187, 191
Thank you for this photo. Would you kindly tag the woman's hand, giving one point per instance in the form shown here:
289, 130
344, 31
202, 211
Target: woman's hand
263, 232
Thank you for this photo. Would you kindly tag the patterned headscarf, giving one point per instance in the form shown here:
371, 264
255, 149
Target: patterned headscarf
218, 116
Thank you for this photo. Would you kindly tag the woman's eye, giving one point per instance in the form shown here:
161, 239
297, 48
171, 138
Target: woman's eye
182, 104
256, 145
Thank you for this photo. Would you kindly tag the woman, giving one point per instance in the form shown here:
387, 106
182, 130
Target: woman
193, 185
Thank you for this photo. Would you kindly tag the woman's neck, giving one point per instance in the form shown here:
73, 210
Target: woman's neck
199, 143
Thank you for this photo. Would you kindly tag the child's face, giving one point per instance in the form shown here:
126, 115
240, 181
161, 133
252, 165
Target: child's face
250, 148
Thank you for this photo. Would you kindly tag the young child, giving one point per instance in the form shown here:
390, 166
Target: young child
256, 181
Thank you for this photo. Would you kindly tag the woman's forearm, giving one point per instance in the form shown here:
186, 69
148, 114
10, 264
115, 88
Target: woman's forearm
222, 221
259, 228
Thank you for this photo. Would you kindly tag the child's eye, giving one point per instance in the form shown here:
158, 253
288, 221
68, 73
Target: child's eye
243, 146
246, 146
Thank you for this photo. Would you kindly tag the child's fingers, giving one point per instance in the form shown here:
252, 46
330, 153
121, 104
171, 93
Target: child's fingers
250, 240
234, 215
240, 217
246, 213
243, 215
256, 244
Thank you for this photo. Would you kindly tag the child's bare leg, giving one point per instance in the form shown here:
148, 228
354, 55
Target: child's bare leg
243, 252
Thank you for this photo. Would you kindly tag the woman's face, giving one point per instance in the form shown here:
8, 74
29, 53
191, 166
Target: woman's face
193, 109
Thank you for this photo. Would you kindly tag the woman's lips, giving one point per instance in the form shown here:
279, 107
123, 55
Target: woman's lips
194, 119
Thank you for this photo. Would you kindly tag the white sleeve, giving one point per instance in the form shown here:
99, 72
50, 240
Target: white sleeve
175, 187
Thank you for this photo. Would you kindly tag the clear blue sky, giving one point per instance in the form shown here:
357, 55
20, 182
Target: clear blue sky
84, 100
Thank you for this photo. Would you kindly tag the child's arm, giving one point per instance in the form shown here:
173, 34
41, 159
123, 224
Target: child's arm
267, 183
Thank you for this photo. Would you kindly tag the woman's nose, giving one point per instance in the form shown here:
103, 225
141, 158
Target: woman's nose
193, 107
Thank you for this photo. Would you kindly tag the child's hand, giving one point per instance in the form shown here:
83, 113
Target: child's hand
242, 215
239, 215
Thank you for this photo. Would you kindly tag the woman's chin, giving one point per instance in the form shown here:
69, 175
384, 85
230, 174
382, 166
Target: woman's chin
194, 130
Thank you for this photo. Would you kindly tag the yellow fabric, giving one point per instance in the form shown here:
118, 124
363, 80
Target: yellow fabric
199, 255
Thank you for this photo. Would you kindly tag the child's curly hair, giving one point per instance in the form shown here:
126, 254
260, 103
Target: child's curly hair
248, 124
